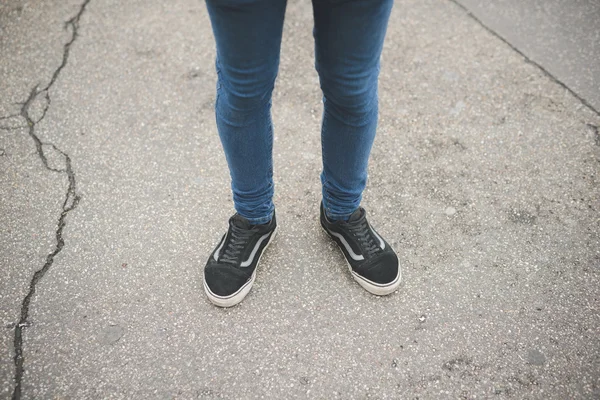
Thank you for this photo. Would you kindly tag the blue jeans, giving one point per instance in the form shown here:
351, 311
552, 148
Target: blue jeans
348, 42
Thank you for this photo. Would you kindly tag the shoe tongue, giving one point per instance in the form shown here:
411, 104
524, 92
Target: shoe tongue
241, 222
356, 215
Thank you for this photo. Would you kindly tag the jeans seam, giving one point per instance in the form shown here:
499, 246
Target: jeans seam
325, 182
271, 137
270, 169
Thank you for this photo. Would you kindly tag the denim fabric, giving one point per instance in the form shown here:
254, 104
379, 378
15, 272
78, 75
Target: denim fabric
349, 38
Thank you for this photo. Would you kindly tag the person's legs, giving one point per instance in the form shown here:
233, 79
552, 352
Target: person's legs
348, 42
248, 38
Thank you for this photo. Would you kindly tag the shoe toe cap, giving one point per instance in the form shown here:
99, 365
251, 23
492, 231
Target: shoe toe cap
382, 270
224, 280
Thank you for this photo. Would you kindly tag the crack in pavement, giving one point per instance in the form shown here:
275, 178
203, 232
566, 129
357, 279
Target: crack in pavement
17, 127
527, 59
10, 116
12, 128
69, 204
8, 127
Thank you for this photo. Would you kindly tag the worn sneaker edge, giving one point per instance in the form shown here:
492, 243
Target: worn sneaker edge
236, 297
378, 289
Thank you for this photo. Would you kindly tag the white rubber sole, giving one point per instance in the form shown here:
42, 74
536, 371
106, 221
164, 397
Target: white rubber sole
237, 297
375, 288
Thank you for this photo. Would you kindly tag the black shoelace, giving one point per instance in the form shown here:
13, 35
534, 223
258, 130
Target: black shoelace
362, 232
237, 241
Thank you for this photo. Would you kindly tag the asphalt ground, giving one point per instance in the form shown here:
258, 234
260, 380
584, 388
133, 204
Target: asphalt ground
562, 37
483, 177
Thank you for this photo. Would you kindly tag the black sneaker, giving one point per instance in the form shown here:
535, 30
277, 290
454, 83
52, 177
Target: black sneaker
372, 261
231, 268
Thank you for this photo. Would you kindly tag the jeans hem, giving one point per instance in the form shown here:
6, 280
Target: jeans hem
337, 217
260, 220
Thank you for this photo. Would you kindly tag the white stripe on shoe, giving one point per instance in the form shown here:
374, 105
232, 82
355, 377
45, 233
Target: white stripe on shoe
216, 255
354, 256
254, 250
381, 242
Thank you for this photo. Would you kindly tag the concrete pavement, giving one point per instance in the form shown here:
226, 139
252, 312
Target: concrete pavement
562, 37
484, 177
